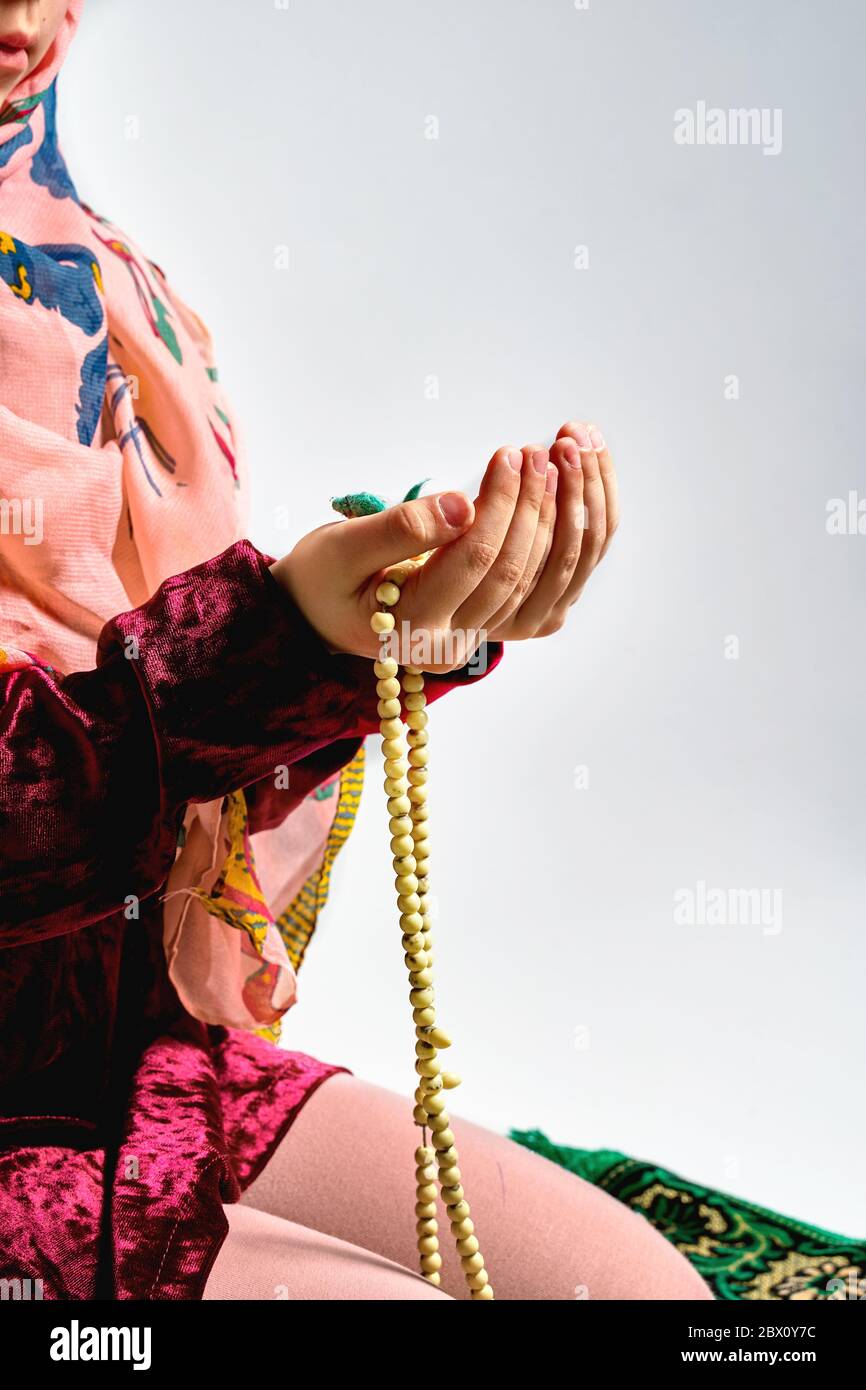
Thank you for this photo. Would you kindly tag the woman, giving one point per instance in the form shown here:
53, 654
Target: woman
176, 708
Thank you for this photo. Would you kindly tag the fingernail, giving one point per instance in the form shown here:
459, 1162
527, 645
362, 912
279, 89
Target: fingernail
581, 434
552, 478
515, 458
539, 460
568, 450
597, 440
452, 505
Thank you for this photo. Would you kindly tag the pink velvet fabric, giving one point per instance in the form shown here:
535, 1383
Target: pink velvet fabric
125, 1124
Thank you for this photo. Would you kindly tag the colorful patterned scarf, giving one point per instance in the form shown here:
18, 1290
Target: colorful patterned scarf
119, 467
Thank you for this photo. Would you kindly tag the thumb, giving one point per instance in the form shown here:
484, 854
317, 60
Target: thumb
398, 533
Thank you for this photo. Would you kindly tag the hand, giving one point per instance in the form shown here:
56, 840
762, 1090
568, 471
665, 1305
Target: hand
333, 572
506, 567
576, 524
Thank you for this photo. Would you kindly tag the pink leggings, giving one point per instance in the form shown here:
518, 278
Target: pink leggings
331, 1217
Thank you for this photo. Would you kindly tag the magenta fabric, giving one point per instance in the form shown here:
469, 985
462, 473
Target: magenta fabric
125, 1124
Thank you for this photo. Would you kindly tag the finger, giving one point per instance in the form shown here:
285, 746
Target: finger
594, 502
511, 612
451, 574
564, 552
369, 543
609, 483
507, 576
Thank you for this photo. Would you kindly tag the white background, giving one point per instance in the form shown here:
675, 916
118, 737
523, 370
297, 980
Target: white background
216, 131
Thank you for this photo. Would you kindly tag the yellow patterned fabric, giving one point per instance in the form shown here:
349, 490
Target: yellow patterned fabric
237, 898
297, 924
12, 657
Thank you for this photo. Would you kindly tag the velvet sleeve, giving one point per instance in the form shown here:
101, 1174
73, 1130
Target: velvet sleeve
208, 687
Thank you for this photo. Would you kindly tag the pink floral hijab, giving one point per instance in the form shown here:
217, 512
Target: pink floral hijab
119, 466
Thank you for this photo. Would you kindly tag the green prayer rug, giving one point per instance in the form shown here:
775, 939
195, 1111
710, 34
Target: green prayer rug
743, 1251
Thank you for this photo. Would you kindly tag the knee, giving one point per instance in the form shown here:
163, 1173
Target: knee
648, 1266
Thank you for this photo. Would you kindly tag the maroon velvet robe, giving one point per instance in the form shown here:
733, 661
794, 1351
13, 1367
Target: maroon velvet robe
125, 1124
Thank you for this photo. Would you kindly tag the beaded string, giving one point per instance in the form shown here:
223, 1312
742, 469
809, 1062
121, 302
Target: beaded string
406, 757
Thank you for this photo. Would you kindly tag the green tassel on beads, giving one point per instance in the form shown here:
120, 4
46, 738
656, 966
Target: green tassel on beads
368, 503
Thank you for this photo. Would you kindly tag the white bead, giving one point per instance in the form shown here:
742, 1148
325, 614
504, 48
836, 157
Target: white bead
388, 592
402, 844
389, 709
417, 719
450, 1080
398, 574
382, 622
393, 748
418, 757
469, 1246
424, 1015
397, 767
388, 688
412, 683
391, 728
385, 669
443, 1140
411, 921
406, 883
399, 805
401, 825
416, 701
447, 1158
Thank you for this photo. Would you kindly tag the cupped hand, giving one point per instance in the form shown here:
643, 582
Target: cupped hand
506, 567
576, 524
